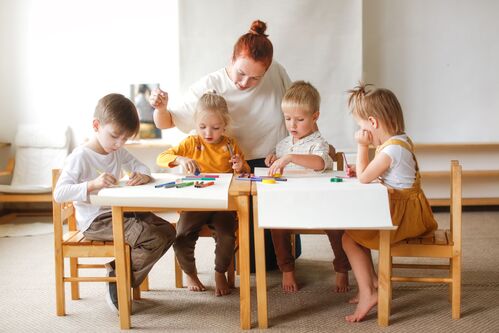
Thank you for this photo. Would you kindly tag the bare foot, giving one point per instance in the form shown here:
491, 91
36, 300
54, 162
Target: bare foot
289, 284
221, 285
194, 284
366, 303
342, 283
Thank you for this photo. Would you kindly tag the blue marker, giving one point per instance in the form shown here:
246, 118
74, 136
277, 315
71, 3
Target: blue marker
164, 184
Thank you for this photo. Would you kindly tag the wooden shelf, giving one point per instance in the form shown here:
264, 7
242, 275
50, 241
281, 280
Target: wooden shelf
480, 178
465, 202
4, 144
456, 146
466, 173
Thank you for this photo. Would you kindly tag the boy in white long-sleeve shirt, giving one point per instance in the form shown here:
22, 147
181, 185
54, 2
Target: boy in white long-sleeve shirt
99, 163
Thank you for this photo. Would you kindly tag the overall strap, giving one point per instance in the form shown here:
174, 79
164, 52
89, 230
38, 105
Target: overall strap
410, 147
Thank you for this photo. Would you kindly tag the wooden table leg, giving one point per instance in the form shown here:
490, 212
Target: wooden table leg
244, 262
119, 249
261, 274
384, 278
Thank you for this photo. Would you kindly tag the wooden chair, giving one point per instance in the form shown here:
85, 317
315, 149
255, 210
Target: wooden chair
38, 149
74, 245
441, 244
231, 278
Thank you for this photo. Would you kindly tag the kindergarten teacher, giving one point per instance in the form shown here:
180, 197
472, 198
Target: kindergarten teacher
253, 86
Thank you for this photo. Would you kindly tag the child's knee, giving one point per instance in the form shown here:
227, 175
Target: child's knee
225, 236
168, 234
346, 240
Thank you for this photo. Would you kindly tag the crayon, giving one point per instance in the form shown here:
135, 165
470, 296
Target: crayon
203, 184
184, 184
198, 178
164, 184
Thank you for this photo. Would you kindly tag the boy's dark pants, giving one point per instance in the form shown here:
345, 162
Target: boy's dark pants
148, 235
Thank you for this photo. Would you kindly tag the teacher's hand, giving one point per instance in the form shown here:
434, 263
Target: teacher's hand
159, 99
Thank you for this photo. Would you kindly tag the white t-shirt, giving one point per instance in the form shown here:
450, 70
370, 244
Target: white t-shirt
257, 122
402, 170
84, 165
313, 144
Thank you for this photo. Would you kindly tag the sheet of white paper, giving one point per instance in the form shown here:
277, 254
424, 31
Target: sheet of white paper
311, 201
215, 196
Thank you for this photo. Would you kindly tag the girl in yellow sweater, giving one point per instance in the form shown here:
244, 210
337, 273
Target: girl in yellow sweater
379, 116
208, 151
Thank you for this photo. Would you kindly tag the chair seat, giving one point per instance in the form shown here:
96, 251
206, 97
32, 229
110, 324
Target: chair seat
436, 245
25, 189
75, 244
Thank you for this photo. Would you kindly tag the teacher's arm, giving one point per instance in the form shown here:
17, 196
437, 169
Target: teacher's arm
162, 117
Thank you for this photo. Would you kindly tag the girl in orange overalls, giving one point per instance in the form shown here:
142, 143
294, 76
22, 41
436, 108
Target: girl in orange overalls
379, 116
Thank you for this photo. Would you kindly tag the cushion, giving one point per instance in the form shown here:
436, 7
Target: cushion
25, 189
42, 136
33, 166
39, 149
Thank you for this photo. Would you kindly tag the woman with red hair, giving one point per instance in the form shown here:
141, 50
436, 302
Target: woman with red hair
253, 85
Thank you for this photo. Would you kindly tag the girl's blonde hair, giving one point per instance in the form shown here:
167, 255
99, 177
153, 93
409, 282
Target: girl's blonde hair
380, 103
212, 102
303, 95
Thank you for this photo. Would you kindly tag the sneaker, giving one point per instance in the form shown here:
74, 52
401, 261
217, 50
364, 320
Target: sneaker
112, 291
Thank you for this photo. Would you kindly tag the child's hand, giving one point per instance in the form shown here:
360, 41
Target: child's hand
279, 164
189, 165
137, 178
351, 172
237, 163
363, 137
159, 99
270, 159
104, 180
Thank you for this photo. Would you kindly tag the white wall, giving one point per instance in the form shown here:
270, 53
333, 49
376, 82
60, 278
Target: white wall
440, 57
318, 41
441, 60
59, 57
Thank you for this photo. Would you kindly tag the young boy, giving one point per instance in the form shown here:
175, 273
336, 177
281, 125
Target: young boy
98, 164
304, 148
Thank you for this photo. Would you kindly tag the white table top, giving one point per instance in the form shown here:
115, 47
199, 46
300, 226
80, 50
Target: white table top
311, 201
147, 195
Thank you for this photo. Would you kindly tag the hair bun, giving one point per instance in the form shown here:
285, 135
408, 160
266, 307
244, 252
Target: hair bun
258, 28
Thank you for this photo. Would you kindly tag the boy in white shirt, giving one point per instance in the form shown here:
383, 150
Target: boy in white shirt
304, 148
99, 163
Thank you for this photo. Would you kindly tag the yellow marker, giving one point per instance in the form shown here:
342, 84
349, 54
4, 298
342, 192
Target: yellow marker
268, 181
277, 175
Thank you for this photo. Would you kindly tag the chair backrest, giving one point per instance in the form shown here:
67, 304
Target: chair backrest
61, 212
39, 149
338, 157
